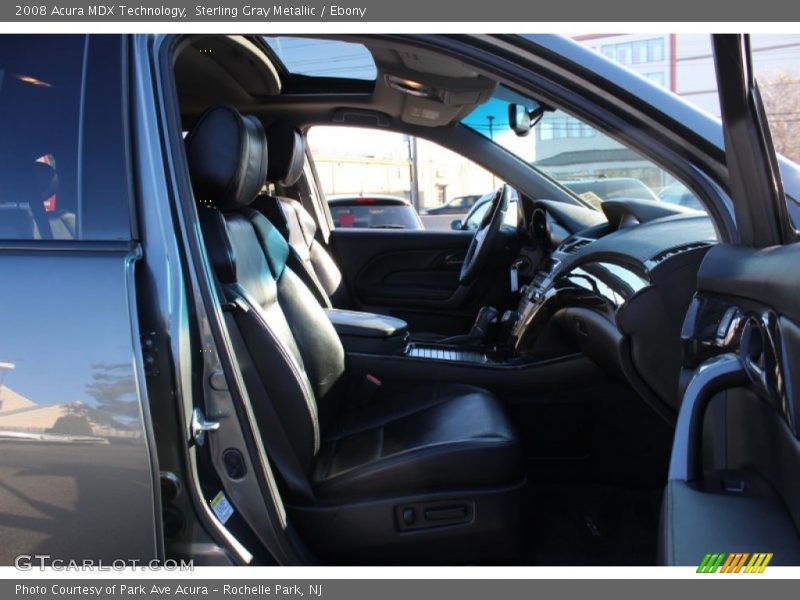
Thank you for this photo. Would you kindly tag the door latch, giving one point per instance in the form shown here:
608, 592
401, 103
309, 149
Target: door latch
200, 426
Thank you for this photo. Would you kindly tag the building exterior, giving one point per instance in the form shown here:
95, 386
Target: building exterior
568, 149
684, 62
361, 161
354, 161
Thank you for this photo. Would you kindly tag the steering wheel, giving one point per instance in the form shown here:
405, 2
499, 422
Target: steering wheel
484, 240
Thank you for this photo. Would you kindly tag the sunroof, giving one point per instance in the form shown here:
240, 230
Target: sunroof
323, 58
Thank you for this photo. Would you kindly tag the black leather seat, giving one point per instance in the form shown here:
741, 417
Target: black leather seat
312, 262
440, 459
420, 439
309, 259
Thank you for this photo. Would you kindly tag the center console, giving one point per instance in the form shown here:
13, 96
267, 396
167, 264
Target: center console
491, 341
487, 356
435, 351
521, 323
369, 333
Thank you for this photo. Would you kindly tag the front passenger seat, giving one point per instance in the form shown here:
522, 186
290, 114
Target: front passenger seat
310, 259
418, 473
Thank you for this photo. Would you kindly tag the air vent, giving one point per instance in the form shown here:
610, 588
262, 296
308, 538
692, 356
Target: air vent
572, 246
664, 255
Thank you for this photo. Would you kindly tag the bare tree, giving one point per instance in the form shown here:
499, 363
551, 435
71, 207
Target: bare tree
781, 95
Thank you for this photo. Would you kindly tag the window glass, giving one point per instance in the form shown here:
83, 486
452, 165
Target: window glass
46, 82
777, 69
477, 214
323, 58
374, 178
590, 164
635, 52
367, 212
655, 50
776, 61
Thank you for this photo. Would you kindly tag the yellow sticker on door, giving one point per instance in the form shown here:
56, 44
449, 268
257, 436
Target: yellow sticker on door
222, 508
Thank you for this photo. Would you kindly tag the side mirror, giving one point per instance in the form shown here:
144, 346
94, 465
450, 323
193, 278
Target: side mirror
521, 120
456, 225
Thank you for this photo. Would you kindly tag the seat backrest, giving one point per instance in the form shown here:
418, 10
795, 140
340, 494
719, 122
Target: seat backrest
287, 161
290, 341
28, 184
17, 223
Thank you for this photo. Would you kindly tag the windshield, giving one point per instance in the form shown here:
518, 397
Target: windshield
591, 165
477, 214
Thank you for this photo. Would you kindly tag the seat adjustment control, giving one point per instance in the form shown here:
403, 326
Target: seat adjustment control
440, 513
446, 513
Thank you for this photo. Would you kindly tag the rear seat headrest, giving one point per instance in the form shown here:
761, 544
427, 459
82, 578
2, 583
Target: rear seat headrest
27, 181
227, 155
288, 152
26, 184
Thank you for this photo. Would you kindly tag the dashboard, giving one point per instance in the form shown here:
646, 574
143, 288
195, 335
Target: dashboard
617, 284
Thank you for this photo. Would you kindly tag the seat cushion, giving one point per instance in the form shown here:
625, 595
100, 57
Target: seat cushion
422, 439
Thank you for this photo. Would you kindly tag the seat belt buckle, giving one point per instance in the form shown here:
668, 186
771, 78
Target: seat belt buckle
367, 390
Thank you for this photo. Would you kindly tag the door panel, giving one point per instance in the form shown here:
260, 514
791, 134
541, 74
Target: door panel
739, 462
414, 275
75, 460
78, 471
736, 454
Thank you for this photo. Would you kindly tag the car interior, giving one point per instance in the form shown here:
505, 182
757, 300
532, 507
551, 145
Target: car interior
505, 395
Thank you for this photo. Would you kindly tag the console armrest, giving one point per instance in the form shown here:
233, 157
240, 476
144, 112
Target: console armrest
369, 332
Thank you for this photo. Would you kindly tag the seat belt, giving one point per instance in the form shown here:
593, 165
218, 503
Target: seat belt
279, 450
307, 276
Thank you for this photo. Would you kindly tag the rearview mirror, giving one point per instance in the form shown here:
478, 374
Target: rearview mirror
456, 225
521, 120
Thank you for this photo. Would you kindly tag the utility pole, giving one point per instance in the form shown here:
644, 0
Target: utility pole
491, 137
414, 172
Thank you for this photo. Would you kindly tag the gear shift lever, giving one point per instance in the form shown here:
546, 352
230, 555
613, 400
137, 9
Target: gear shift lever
486, 316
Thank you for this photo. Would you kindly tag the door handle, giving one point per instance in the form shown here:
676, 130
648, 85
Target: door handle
454, 260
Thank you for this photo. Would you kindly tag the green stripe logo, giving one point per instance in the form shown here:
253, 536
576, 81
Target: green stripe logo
734, 562
711, 562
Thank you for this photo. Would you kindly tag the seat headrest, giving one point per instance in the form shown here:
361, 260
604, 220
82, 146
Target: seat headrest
227, 155
27, 181
287, 154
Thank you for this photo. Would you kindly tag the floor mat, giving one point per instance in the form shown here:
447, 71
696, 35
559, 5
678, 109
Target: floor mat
586, 525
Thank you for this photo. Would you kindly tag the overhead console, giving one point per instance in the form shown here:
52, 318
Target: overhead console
435, 90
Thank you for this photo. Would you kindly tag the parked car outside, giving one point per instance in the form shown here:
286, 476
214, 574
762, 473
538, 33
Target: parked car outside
374, 212
454, 206
678, 194
474, 217
597, 191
